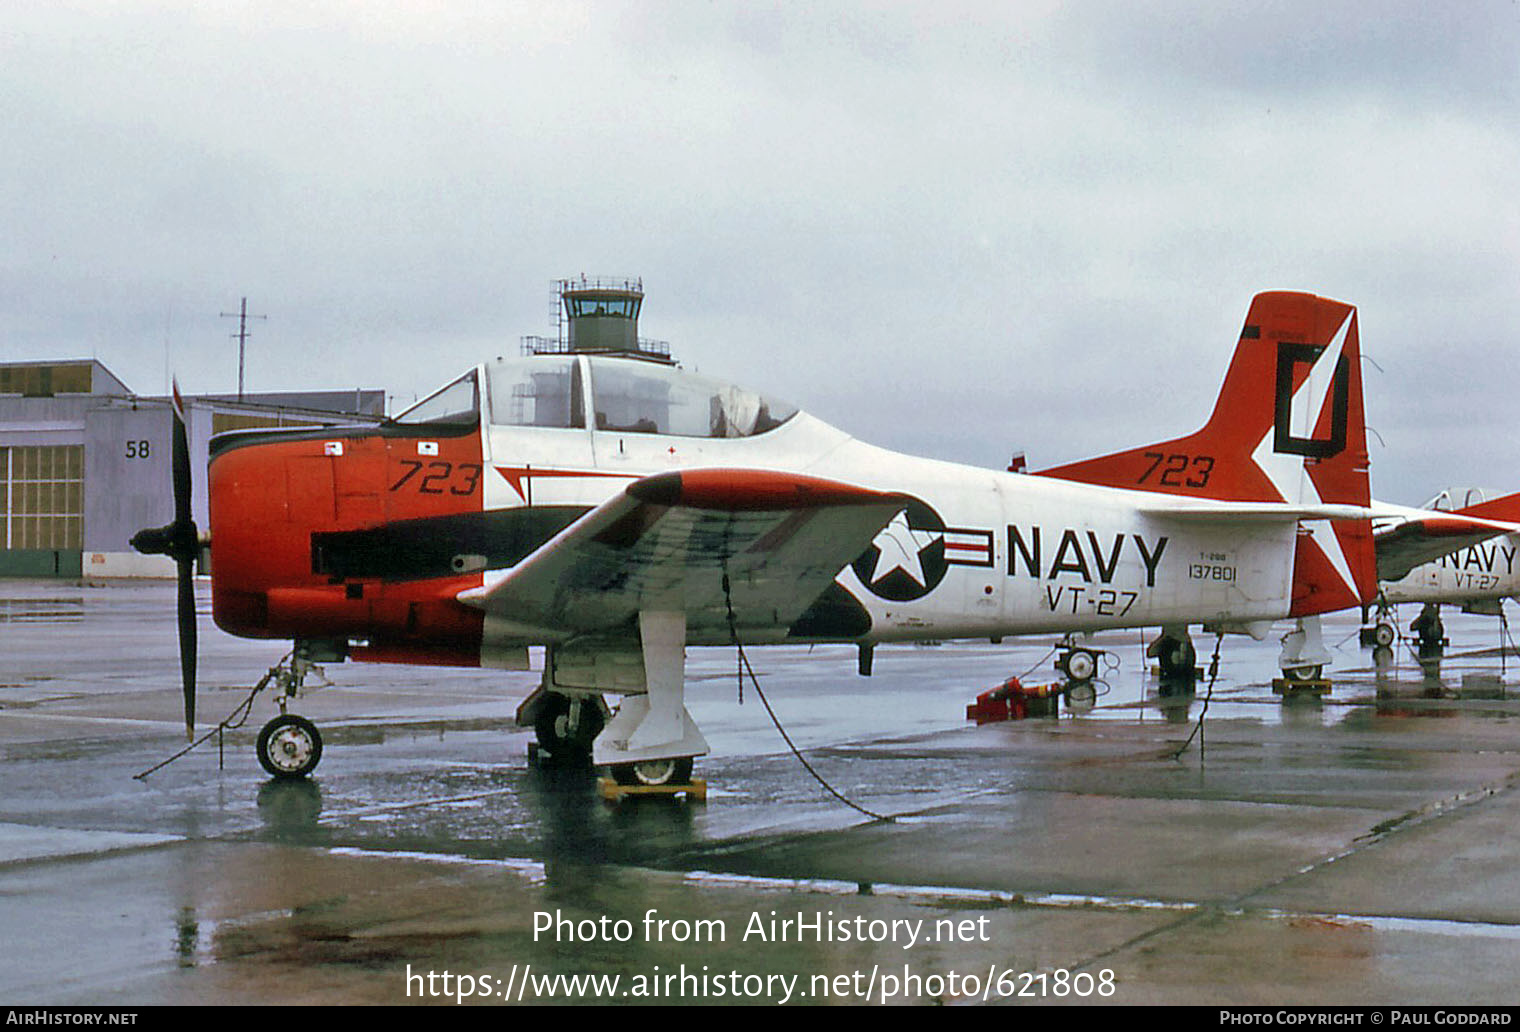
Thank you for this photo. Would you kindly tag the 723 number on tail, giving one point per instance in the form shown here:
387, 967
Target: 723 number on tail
1178, 469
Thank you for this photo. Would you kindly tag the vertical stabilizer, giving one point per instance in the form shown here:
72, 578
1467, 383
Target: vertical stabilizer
1288, 427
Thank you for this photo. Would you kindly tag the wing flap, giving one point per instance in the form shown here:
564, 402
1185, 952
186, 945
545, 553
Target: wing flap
667, 542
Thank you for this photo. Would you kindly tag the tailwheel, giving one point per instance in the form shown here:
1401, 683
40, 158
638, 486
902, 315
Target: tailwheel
651, 773
289, 746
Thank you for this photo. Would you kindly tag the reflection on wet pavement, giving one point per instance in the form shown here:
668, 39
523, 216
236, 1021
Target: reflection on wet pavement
1349, 848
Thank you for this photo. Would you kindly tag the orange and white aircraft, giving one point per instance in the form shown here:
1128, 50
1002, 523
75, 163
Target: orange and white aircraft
1438, 554
617, 509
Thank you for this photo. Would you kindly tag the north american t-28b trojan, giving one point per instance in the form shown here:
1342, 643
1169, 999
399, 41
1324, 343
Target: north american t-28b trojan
1444, 555
616, 508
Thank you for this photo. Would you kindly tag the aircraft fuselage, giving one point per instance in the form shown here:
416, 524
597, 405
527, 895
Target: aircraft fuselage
1480, 572
369, 535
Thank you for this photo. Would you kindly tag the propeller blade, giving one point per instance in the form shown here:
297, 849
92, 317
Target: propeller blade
181, 542
187, 640
181, 456
186, 547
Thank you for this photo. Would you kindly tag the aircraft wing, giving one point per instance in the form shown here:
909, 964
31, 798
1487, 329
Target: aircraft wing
1416, 541
666, 542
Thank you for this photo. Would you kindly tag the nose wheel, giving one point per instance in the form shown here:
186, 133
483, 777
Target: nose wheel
1079, 665
289, 746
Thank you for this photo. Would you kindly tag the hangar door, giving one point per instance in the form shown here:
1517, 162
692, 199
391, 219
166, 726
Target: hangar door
41, 509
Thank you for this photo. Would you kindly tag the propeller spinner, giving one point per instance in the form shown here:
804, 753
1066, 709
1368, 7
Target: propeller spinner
180, 541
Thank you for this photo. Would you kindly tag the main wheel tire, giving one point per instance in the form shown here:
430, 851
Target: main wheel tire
1383, 634
1177, 658
552, 726
1304, 673
289, 746
648, 773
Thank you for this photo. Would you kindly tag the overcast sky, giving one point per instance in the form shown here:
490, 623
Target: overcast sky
952, 229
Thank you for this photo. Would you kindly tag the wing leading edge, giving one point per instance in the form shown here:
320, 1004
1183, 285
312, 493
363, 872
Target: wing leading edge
668, 541
1414, 542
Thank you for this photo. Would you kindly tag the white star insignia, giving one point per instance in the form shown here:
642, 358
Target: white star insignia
899, 546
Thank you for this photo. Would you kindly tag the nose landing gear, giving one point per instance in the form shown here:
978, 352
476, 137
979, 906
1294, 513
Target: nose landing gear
1078, 664
289, 747
1382, 634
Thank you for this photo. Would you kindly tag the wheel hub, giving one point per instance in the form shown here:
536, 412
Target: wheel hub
289, 747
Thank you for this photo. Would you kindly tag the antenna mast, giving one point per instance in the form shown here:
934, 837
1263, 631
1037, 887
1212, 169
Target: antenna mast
241, 336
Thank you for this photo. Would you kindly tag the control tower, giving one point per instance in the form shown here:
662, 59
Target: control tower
603, 316
599, 315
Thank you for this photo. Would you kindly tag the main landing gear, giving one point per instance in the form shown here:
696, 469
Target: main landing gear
566, 728
1429, 631
651, 741
564, 725
1176, 661
1303, 660
654, 773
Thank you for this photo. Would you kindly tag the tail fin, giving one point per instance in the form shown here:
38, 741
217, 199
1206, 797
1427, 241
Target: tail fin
1288, 427
1505, 508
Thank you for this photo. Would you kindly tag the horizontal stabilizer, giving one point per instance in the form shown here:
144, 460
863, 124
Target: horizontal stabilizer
1247, 512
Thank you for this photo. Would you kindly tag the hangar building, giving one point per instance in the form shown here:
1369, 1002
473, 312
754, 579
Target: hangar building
85, 463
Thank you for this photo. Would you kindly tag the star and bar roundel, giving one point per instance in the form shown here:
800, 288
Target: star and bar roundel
910, 556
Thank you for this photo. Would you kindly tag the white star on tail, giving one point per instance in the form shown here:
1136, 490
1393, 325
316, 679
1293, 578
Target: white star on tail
899, 545
1288, 473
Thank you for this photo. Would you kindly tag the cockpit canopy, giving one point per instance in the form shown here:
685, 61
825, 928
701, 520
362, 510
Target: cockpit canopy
458, 404
622, 395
